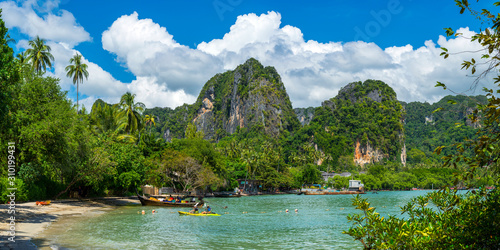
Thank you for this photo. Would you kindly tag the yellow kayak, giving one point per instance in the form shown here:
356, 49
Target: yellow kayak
198, 214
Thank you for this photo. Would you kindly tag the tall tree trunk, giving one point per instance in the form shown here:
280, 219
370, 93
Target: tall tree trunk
76, 179
77, 97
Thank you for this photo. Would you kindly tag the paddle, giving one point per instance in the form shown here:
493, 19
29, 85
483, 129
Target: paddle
223, 207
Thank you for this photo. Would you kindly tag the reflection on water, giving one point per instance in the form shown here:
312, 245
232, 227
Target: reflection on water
257, 222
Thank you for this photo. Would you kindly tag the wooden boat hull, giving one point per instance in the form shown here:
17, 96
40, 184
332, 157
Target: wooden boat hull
332, 193
224, 195
145, 201
198, 214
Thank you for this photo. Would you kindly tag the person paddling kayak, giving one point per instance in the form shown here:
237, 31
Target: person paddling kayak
208, 210
195, 210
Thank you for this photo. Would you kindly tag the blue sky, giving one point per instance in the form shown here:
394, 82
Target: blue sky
164, 51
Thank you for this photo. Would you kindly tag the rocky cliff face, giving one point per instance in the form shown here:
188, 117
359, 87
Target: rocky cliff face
251, 98
403, 155
355, 91
365, 120
366, 154
305, 115
469, 111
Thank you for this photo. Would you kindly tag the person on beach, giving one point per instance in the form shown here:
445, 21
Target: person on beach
195, 210
208, 210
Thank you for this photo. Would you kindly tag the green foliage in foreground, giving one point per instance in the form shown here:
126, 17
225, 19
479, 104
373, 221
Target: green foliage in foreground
447, 219
438, 220
117, 148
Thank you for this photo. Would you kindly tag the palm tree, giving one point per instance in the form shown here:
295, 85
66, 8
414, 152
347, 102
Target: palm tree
328, 160
103, 118
9, 39
39, 55
22, 57
77, 70
22, 60
149, 120
130, 114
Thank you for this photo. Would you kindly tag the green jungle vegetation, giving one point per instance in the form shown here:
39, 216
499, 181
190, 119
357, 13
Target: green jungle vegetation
450, 219
113, 149
257, 86
449, 125
364, 112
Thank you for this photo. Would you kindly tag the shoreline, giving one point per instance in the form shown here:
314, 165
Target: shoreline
31, 220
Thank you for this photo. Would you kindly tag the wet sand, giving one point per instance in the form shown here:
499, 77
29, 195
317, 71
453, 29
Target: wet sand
31, 220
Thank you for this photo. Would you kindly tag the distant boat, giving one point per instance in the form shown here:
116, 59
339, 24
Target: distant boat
145, 201
226, 194
332, 192
355, 187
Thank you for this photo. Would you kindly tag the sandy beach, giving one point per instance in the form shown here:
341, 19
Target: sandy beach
31, 220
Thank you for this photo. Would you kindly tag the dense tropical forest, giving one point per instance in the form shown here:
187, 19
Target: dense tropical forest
242, 126
450, 218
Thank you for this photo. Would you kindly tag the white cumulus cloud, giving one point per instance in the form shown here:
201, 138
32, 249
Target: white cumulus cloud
58, 27
170, 74
314, 71
148, 50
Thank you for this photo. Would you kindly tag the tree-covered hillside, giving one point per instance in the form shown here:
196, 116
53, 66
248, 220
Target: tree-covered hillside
171, 123
426, 129
242, 126
363, 122
250, 98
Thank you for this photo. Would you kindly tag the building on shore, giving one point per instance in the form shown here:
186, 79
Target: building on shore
249, 185
325, 175
356, 185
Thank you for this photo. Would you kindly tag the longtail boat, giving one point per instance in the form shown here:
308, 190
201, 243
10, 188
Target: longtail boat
145, 201
333, 192
226, 194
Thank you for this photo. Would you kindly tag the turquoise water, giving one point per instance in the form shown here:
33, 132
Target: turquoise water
256, 222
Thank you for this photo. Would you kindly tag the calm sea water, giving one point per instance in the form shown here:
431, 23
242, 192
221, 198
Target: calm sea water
256, 222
